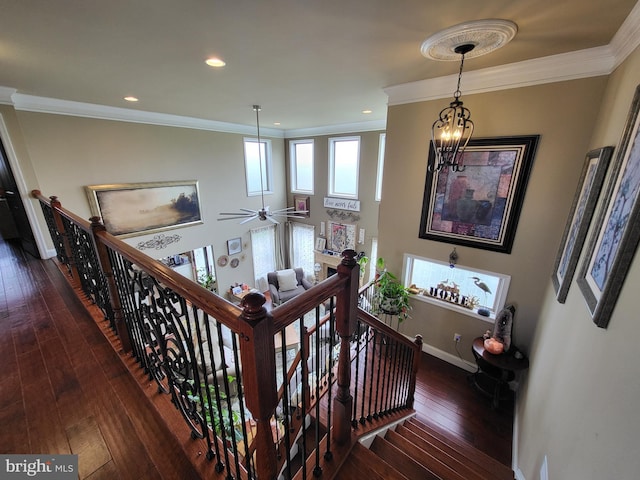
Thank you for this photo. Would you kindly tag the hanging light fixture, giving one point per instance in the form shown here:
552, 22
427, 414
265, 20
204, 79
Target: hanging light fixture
247, 214
451, 132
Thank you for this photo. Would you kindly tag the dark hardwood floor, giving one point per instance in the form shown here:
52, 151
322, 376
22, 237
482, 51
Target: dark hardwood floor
64, 388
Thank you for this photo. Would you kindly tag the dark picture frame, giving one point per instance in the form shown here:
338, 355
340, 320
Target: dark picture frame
302, 205
130, 209
480, 206
613, 244
584, 203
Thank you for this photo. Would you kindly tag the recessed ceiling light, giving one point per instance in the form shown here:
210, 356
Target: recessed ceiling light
367, 112
131, 98
215, 62
276, 123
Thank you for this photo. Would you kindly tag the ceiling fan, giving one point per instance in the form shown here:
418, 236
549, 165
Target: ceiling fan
247, 214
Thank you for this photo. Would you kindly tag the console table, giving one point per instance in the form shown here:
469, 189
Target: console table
496, 371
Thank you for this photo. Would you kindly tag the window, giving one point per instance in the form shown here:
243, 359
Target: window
344, 156
205, 271
383, 140
301, 153
253, 154
263, 248
302, 243
460, 288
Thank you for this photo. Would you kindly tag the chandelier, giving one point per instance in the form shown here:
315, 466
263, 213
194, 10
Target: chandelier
451, 132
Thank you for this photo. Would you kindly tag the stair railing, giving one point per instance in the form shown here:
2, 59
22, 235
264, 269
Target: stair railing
218, 361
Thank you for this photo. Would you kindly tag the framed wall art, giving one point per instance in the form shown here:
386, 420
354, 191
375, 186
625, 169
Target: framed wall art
584, 204
301, 206
234, 246
479, 206
614, 242
341, 237
129, 209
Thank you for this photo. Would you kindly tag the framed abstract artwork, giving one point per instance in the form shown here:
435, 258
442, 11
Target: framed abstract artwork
341, 237
584, 204
479, 206
129, 209
614, 242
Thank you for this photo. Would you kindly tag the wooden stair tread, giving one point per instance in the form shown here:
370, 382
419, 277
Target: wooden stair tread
404, 463
498, 470
433, 463
363, 463
453, 458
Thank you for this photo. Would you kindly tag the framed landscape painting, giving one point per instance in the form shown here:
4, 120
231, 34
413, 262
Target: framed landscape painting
479, 206
129, 209
584, 204
614, 242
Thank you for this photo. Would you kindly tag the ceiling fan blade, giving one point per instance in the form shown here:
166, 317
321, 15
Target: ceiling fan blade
248, 210
253, 217
282, 210
234, 217
273, 220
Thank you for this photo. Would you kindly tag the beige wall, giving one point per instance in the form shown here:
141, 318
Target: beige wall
577, 402
62, 154
368, 214
564, 120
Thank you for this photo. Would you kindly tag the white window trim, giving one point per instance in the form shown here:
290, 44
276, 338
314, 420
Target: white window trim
381, 148
501, 291
294, 166
268, 188
330, 189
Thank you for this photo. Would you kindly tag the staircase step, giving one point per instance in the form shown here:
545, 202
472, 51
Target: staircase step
402, 462
433, 463
363, 463
453, 459
455, 447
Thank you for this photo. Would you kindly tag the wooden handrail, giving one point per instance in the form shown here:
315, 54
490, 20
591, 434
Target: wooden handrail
254, 326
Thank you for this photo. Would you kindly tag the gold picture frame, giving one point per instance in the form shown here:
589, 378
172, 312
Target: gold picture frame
131, 209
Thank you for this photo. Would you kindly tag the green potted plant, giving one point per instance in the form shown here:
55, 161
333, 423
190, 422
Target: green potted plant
390, 297
207, 280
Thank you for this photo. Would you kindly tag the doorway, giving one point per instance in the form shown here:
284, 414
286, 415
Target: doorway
14, 223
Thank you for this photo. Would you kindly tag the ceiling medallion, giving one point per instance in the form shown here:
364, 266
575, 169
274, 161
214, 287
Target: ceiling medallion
485, 35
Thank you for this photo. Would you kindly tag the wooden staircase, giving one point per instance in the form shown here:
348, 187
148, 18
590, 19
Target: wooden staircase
416, 450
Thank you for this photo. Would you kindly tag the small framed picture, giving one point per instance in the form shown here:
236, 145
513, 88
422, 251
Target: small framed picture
301, 206
234, 245
320, 243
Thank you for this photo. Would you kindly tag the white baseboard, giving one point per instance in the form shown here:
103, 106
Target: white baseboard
447, 357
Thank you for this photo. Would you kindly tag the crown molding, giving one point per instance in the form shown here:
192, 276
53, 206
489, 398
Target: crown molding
31, 103
555, 68
5, 95
337, 129
627, 38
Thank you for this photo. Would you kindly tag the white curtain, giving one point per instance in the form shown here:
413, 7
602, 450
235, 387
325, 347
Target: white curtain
301, 244
263, 248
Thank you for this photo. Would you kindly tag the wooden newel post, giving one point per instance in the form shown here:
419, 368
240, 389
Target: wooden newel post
114, 297
346, 311
257, 348
414, 371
